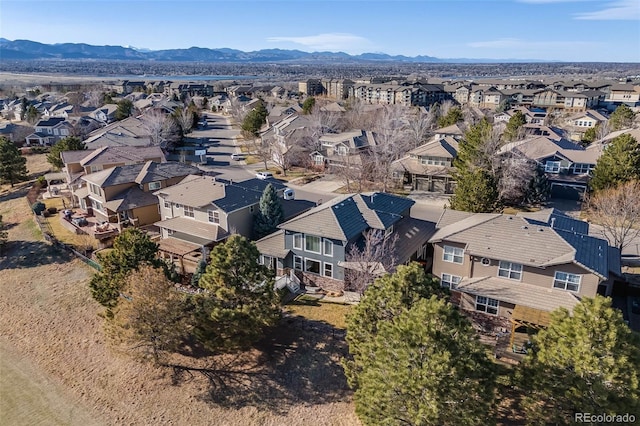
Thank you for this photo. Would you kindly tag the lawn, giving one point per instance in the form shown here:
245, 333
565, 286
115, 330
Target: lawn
311, 308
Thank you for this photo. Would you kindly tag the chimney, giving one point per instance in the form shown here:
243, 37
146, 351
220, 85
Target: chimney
553, 222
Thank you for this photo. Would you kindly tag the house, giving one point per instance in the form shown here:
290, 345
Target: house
80, 163
627, 94
520, 268
567, 165
429, 166
49, 131
132, 131
124, 195
201, 211
347, 148
316, 244
105, 114
578, 124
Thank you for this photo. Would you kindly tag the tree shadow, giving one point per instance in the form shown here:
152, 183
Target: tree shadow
18, 191
296, 363
30, 254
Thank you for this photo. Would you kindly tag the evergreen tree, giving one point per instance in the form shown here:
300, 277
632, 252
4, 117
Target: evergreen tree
239, 301
151, 316
476, 186
426, 367
590, 135
539, 189
13, 166
124, 110
453, 116
70, 143
384, 300
514, 125
200, 269
270, 214
254, 120
621, 118
476, 192
24, 106
32, 115
587, 361
619, 163
308, 104
131, 249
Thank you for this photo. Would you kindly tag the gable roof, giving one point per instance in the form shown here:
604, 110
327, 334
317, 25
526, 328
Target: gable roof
140, 173
541, 147
119, 154
50, 122
528, 241
343, 218
445, 146
454, 129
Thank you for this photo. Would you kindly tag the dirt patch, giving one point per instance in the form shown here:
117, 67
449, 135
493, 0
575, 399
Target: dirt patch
48, 317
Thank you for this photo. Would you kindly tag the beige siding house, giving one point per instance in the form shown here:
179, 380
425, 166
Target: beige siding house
521, 267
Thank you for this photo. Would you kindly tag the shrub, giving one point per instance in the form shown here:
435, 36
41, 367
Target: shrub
41, 181
38, 207
52, 210
45, 213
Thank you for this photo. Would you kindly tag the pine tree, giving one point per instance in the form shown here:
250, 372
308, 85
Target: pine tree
619, 163
476, 185
151, 316
124, 110
239, 301
13, 166
539, 189
476, 192
254, 120
131, 249
308, 104
621, 118
385, 299
587, 361
4, 236
70, 143
270, 214
200, 269
426, 367
514, 125
453, 116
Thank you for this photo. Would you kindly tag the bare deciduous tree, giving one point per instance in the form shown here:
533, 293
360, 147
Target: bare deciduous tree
617, 211
515, 174
391, 143
375, 257
162, 128
419, 126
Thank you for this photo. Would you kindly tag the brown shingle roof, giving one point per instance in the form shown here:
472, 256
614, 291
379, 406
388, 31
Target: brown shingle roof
193, 227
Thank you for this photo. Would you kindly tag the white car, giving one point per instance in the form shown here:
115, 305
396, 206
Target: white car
289, 194
264, 175
237, 157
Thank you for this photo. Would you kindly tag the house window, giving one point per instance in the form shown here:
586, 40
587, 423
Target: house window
94, 188
93, 169
328, 247
510, 270
312, 244
167, 204
453, 254
388, 231
567, 281
267, 261
485, 304
97, 205
342, 150
449, 281
312, 265
297, 263
188, 211
328, 270
581, 168
552, 167
297, 241
170, 231
214, 216
154, 186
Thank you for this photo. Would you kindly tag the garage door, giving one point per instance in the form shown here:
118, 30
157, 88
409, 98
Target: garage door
567, 192
439, 186
422, 184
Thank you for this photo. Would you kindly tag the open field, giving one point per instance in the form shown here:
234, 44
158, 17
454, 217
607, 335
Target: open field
53, 347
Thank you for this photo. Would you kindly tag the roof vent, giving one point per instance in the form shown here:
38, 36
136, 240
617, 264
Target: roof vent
553, 222
540, 230
524, 227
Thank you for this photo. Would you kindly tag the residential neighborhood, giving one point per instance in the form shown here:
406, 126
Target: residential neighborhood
240, 211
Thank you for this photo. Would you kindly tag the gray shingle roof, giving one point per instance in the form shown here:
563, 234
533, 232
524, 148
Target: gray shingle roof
132, 198
203, 230
560, 220
345, 217
140, 173
273, 245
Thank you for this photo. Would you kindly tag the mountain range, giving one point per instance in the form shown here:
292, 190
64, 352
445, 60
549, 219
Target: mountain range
31, 50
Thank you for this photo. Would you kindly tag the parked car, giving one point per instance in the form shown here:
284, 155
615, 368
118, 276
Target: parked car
237, 157
264, 175
289, 194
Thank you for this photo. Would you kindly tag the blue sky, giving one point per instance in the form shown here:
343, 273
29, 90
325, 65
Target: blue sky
568, 30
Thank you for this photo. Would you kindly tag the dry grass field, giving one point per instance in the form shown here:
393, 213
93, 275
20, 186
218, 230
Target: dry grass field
57, 368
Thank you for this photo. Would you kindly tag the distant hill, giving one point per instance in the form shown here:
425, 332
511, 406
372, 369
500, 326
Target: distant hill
26, 49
